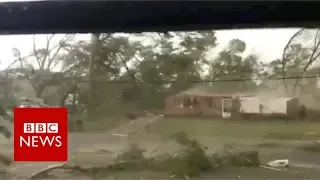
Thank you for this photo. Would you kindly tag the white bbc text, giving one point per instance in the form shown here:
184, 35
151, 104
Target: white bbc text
40, 141
40, 128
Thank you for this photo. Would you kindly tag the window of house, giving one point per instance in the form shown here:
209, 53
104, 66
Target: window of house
187, 102
178, 102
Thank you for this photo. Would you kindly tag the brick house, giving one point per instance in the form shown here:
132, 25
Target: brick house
206, 99
226, 100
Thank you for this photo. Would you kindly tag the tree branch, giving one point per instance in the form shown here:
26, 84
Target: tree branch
59, 46
313, 57
35, 52
131, 74
47, 53
285, 60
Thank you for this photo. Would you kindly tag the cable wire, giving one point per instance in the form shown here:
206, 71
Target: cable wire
198, 81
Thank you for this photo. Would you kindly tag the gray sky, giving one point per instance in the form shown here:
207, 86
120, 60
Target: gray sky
266, 43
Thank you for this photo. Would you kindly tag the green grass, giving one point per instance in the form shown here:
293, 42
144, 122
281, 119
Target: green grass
99, 124
269, 145
237, 128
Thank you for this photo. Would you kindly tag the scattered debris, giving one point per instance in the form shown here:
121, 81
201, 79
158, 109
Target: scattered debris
106, 151
45, 172
189, 162
271, 168
310, 133
279, 163
248, 158
122, 135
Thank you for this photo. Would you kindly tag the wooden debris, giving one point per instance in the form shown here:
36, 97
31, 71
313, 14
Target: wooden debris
44, 172
122, 135
271, 168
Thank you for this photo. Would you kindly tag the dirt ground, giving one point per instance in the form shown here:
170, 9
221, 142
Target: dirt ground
100, 148
96, 149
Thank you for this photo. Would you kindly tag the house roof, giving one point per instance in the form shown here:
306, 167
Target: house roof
269, 89
279, 86
221, 88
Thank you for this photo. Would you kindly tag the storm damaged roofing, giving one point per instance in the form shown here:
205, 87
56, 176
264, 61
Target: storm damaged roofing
222, 88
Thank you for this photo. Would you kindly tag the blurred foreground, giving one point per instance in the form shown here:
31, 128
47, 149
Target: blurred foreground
100, 154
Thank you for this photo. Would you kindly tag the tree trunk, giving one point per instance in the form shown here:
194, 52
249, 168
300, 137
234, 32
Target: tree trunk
95, 41
39, 90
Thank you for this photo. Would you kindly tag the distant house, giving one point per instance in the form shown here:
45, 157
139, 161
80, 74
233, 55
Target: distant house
228, 99
218, 99
307, 91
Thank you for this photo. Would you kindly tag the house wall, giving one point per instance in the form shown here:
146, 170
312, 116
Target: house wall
235, 110
215, 109
172, 107
286, 106
209, 106
275, 106
250, 105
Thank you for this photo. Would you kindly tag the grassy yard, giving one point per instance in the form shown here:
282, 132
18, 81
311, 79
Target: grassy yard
258, 129
98, 124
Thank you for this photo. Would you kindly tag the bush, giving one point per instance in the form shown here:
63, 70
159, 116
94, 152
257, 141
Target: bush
190, 161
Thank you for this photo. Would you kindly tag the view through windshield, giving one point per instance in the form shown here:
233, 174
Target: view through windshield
203, 104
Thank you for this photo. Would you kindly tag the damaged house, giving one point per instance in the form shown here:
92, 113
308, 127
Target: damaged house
230, 99
216, 99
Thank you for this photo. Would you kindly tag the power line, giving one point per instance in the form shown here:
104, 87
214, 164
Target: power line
197, 81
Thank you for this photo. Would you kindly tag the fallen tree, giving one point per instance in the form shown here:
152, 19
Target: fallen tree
188, 162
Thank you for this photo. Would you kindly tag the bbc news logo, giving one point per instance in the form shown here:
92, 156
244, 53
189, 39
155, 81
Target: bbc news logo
38, 140
40, 134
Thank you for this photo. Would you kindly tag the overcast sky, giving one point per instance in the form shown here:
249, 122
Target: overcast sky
268, 44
